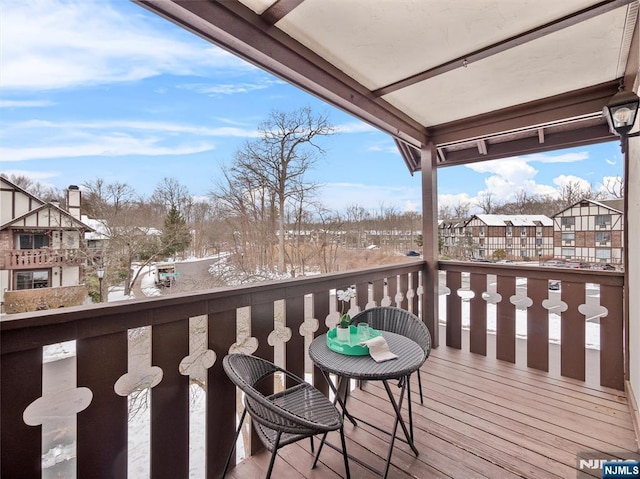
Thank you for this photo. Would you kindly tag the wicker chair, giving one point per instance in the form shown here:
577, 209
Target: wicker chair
296, 413
399, 321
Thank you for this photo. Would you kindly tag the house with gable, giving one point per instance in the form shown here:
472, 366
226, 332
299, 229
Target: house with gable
590, 231
41, 248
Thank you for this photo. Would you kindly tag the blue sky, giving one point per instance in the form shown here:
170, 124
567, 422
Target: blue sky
106, 89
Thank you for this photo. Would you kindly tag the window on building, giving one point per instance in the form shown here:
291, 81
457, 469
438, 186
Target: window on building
523, 231
481, 241
603, 254
509, 230
32, 279
509, 242
538, 242
482, 231
603, 237
523, 242
33, 241
481, 253
603, 221
568, 252
568, 238
523, 253
568, 221
538, 230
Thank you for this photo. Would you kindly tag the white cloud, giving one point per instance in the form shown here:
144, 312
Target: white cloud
450, 200
47, 139
133, 125
104, 145
560, 158
355, 127
25, 103
89, 42
512, 175
513, 170
564, 180
609, 162
393, 149
38, 176
508, 176
231, 88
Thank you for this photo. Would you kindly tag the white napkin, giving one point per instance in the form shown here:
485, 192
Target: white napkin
379, 349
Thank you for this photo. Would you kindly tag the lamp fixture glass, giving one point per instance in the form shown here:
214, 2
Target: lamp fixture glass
100, 273
621, 112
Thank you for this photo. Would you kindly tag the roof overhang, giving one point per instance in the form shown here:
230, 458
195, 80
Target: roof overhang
478, 80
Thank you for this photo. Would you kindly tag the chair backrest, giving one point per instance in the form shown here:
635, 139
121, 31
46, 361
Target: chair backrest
245, 372
399, 321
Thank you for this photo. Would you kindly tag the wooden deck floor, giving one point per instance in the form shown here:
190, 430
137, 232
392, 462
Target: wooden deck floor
481, 418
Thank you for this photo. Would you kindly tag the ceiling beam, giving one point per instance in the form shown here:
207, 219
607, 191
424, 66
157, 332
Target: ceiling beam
279, 10
237, 29
586, 101
540, 135
525, 146
632, 67
499, 47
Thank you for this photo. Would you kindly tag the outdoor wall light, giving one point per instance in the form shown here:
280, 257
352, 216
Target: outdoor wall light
621, 112
100, 275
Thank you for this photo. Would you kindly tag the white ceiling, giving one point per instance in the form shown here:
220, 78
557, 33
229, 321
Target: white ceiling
380, 42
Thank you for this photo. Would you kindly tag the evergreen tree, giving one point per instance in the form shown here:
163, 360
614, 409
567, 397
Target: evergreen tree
175, 235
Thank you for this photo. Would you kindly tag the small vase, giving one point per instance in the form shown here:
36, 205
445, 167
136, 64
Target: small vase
342, 334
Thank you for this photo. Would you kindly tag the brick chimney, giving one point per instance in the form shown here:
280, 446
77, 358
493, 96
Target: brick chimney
73, 201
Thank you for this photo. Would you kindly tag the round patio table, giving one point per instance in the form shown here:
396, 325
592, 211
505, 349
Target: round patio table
410, 357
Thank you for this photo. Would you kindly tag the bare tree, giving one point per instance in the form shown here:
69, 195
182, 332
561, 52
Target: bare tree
169, 192
572, 192
461, 209
445, 212
330, 227
133, 230
614, 186
487, 203
276, 163
102, 200
44, 192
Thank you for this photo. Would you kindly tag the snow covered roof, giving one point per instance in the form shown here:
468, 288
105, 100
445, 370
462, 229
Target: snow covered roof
99, 230
515, 220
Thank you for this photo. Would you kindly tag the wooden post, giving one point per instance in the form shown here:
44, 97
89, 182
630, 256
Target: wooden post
430, 240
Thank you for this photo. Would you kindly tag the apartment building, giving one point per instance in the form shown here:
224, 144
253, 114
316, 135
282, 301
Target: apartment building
515, 237
590, 231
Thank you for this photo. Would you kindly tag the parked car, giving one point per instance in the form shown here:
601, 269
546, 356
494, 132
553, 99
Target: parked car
603, 267
413, 253
556, 263
577, 265
554, 285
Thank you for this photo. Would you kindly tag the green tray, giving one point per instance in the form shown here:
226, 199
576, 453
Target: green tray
353, 347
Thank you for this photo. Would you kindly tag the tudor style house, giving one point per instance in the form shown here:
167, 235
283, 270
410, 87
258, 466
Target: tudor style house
516, 236
40, 249
590, 231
